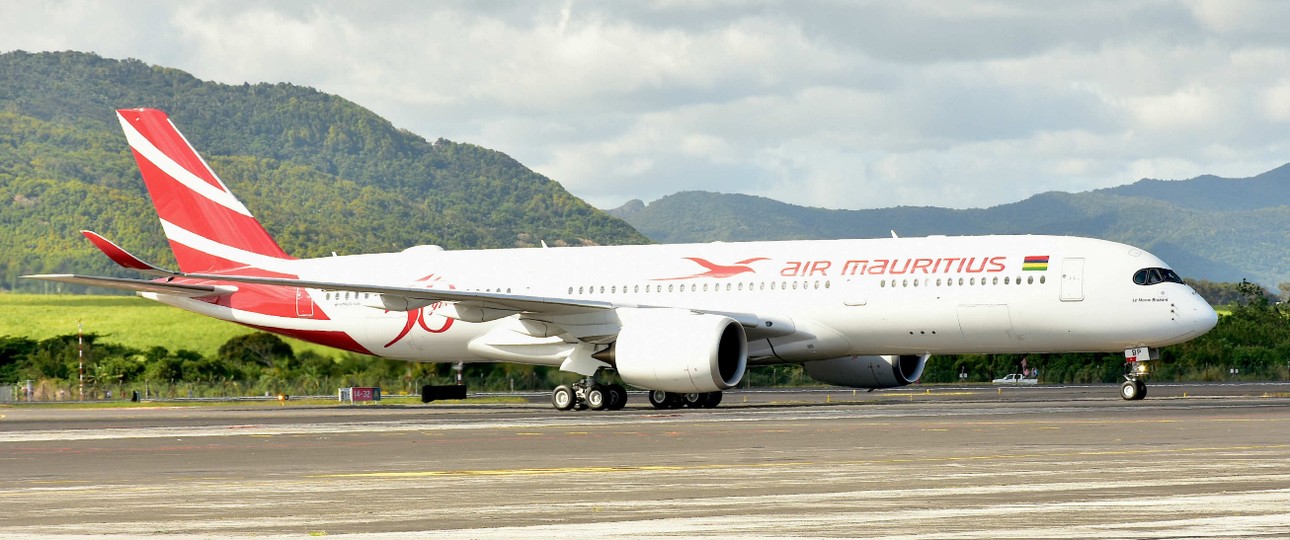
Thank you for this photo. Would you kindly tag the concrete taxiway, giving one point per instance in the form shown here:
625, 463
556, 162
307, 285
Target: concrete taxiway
964, 462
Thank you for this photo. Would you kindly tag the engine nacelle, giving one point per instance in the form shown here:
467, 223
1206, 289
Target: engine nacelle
676, 350
868, 371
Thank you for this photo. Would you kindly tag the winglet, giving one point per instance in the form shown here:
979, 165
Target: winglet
121, 256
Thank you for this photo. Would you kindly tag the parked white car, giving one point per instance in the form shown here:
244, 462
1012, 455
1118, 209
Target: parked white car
1015, 378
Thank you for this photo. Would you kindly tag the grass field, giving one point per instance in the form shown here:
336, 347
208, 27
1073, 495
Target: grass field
125, 320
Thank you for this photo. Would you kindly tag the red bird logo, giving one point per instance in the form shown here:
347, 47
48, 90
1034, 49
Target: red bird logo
719, 271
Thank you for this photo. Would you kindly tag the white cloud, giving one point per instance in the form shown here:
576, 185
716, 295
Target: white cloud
829, 104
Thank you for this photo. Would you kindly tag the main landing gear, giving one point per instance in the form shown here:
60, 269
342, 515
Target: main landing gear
589, 394
672, 400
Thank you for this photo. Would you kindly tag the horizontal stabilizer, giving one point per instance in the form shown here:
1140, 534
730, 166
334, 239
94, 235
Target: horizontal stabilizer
121, 256
139, 285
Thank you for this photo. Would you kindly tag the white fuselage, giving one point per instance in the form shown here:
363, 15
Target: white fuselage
822, 299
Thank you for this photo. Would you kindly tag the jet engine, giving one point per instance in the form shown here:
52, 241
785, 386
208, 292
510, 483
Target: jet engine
886, 371
677, 350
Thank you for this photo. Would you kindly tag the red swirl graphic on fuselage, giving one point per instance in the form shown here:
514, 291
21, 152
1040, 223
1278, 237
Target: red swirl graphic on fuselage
417, 317
719, 271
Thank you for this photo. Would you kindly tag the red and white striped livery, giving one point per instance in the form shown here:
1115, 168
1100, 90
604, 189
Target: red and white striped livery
683, 321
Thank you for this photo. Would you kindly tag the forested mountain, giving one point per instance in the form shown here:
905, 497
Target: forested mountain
1218, 229
322, 173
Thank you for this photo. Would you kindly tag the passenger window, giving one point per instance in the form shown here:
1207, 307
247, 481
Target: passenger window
1006, 280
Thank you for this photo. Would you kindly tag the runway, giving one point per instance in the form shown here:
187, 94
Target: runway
940, 462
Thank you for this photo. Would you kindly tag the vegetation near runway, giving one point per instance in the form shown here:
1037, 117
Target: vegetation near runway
137, 345
119, 319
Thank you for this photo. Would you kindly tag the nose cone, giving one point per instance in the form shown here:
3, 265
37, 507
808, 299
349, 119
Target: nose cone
1196, 316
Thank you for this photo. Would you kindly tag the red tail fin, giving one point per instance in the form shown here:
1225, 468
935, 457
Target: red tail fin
208, 228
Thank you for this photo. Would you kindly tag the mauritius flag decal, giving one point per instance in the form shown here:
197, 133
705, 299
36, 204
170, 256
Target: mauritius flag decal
1035, 263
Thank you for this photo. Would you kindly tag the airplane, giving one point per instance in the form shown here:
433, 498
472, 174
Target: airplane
683, 321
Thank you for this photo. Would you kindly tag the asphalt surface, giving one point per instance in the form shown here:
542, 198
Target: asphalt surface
1201, 461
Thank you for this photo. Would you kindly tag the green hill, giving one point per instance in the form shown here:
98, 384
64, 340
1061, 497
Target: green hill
1211, 228
322, 173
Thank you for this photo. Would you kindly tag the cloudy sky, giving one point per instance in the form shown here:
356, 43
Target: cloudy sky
826, 103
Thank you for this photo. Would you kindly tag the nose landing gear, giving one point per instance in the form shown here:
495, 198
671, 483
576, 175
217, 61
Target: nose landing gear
1136, 371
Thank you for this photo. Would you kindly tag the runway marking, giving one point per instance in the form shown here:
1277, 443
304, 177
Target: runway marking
554, 470
765, 465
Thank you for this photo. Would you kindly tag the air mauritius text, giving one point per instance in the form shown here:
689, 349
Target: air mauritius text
874, 267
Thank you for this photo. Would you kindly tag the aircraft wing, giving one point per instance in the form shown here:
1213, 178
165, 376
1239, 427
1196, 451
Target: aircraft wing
474, 306
405, 298
139, 285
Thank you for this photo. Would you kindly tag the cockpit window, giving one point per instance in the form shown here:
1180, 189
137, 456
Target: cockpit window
1152, 276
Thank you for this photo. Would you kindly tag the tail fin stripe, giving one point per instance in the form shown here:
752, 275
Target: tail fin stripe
150, 152
213, 248
190, 211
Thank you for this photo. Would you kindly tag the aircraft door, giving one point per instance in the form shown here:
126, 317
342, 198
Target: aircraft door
852, 294
304, 304
1072, 280
986, 327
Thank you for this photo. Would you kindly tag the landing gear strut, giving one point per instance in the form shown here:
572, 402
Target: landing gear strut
589, 394
1136, 371
672, 400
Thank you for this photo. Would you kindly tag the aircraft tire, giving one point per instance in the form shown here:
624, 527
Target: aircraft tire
596, 398
616, 397
563, 398
711, 400
659, 399
1130, 390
